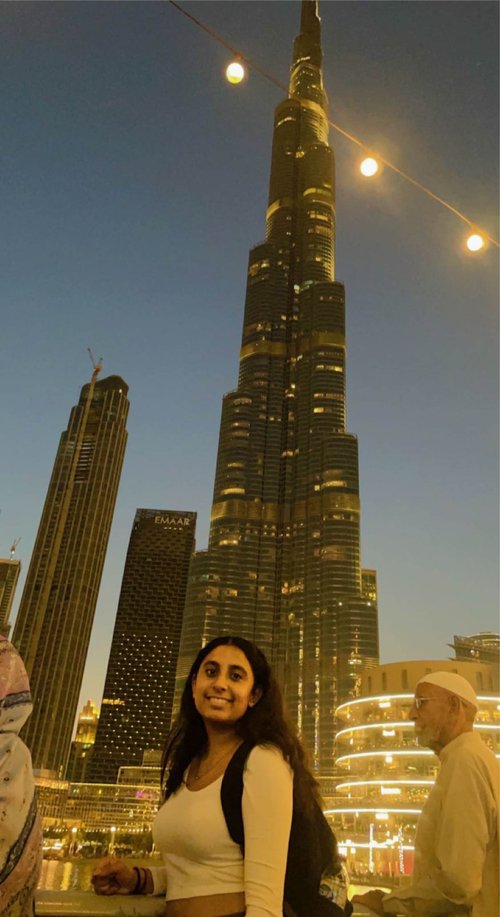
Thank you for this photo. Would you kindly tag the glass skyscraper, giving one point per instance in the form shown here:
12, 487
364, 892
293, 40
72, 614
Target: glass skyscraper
283, 563
139, 690
56, 613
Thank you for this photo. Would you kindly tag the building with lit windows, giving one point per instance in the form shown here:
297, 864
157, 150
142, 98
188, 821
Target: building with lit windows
383, 776
146, 774
96, 807
83, 744
139, 688
56, 613
483, 647
10, 568
283, 564
127, 806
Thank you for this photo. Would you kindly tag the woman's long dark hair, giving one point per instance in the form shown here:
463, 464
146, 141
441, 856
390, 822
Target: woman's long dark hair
264, 723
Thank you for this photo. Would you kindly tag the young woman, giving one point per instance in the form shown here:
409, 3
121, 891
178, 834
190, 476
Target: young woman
230, 697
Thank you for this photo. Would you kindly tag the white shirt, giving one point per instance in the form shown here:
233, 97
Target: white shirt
456, 845
200, 858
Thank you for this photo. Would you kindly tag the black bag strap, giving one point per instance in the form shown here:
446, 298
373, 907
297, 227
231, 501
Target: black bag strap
231, 793
299, 888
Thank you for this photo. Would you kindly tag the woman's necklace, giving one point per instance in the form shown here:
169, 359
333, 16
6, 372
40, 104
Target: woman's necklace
201, 774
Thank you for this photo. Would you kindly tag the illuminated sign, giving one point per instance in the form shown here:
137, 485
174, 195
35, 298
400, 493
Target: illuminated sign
172, 520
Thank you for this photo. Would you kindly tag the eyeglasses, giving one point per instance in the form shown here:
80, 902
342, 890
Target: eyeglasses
418, 701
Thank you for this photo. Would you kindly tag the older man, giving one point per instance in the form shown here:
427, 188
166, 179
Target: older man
456, 845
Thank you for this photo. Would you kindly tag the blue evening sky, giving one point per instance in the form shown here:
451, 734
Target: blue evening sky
135, 182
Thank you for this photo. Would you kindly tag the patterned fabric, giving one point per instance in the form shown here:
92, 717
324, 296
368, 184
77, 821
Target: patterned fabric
20, 828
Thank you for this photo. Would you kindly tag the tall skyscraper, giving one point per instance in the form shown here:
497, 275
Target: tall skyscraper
10, 568
140, 682
57, 608
283, 560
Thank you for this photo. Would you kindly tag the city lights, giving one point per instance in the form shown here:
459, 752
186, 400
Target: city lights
235, 72
382, 816
369, 167
379, 697
386, 727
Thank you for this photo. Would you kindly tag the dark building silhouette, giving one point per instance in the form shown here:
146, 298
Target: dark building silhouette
139, 689
283, 561
54, 623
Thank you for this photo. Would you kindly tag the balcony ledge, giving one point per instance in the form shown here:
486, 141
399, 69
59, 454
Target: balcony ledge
88, 904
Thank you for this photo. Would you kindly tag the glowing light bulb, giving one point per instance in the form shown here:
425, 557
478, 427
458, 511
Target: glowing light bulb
475, 242
235, 72
369, 167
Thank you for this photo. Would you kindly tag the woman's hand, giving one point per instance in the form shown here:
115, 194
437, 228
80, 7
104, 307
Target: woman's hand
372, 899
112, 876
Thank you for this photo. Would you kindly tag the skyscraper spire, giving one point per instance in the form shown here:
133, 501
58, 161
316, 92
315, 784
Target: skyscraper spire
283, 561
306, 81
310, 28
309, 16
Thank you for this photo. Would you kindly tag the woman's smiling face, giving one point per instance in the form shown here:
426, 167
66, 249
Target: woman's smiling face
223, 688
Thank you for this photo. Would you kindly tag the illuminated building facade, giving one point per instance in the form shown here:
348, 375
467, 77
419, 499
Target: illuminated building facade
145, 774
96, 807
140, 681
127, 806
10, 569
383, 776
483, 647
55, 617
283, 563
83, 744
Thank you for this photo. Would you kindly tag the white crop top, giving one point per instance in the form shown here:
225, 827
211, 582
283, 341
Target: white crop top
200, 858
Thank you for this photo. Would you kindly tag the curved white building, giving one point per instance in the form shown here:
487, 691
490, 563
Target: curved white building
382, 776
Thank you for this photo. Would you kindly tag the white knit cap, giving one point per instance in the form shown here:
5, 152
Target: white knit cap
452, 682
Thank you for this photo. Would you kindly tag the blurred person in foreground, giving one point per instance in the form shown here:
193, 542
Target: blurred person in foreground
456, 845
20, 828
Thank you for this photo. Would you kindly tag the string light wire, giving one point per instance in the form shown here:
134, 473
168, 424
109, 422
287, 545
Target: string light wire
360, 143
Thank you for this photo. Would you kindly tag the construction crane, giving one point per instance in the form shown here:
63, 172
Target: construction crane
13, 547
97, 366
